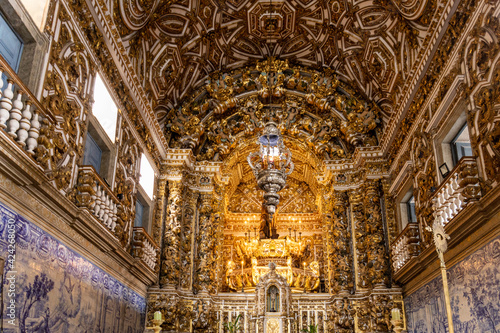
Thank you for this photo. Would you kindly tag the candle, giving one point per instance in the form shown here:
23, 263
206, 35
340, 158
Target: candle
396, 314
242, 262
157, 315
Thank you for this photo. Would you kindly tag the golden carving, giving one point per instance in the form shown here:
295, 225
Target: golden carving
170, 269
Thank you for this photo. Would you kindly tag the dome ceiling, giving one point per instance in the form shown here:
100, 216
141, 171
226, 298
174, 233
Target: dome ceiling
372, 46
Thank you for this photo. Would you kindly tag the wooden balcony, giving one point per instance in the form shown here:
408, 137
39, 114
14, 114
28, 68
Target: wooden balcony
96, 196
405, 247
22, 117
459, 188
145, 249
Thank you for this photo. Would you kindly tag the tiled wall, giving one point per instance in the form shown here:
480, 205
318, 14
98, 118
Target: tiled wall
67, 293
474, 285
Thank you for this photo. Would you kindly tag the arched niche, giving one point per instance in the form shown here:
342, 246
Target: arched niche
275, 317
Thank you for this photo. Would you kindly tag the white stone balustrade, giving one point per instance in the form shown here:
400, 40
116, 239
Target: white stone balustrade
102, 203
405, 247
144, 248
19, 110
458, 189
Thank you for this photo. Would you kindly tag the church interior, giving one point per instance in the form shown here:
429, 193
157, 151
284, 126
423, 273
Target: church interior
257, 166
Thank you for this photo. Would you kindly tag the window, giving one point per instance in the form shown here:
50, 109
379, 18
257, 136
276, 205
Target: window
460, 145
11, 45
145, 192
143, 210
100, 150
104, 108
139, 213
147, 178
407, 213
93, 153
410, 210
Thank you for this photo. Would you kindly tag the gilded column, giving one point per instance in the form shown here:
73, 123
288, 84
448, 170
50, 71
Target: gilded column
374, 267
171, 237
328, 236
219, 207
159, 210
392, 230
358, 233
188, 216
341, 263
205, 239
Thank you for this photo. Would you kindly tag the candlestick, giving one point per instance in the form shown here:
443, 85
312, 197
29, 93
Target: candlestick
157, 321
295, 232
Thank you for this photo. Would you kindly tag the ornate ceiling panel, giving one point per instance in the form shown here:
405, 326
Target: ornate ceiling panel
371, 44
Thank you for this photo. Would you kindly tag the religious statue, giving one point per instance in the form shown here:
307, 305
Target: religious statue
273, 299
265, 230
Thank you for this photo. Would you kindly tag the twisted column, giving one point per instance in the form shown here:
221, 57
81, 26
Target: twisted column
171, 237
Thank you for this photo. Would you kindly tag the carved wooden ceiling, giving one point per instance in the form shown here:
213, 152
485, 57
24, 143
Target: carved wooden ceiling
372, 45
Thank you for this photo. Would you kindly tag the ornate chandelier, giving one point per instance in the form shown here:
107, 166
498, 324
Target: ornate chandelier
271, 165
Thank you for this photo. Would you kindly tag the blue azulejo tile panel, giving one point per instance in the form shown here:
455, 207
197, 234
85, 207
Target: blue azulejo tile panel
474, 285
49, 288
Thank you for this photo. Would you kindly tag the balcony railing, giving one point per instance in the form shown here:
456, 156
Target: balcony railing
145, 249
406, 246
97, 197
21, 114
457, 190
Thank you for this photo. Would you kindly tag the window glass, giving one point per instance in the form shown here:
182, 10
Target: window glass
139, 210
410, 206
147, 179
92, 155
104, 108
11, 47
461, 145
